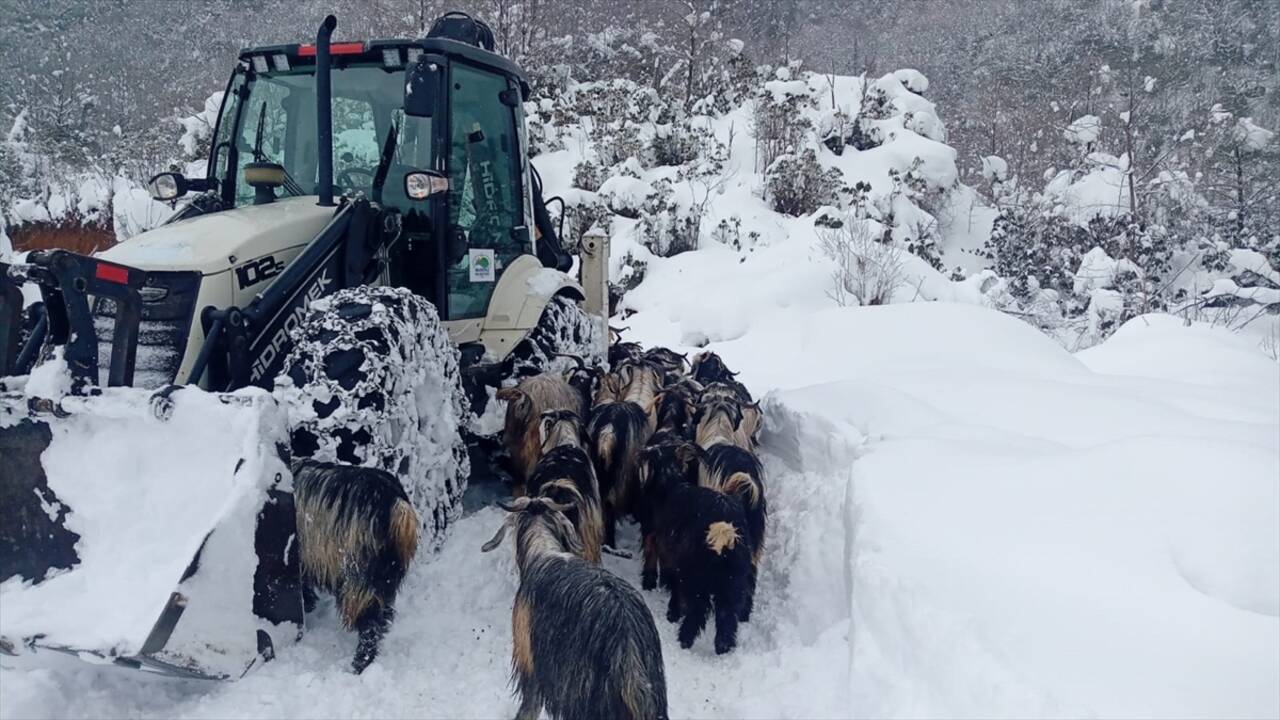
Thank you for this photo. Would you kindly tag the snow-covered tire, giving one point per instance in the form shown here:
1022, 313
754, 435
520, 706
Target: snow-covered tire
373, 380
563, 328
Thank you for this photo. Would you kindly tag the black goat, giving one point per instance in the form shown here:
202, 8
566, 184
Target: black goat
702, 543
669, 460
357, 534
584, 644
736, 472
708, 368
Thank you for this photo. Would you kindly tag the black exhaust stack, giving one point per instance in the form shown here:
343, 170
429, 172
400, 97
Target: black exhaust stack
324, 112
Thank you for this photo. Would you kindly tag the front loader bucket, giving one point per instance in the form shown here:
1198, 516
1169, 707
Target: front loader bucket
150, 530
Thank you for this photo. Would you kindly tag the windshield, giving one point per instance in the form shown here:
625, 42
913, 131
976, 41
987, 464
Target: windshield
276, 115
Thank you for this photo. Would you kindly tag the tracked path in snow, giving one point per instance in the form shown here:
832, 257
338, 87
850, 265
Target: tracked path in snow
447, 654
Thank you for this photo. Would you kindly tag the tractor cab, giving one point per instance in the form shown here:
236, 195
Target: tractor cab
430, 130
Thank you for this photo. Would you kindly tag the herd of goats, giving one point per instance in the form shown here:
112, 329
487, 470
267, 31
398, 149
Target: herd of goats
659, 439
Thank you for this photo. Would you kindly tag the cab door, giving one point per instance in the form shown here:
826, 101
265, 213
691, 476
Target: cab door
487, 228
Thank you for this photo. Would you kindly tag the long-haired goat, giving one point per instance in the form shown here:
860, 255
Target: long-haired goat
720, 421
674, 409
357, 534
617, 433
584, 644
622, 352
671, 363
707, 368
667, 461
737, 473
566, 475
703, 545
526, 402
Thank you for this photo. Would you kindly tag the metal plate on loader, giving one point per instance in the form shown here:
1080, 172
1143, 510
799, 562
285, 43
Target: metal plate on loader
148, 532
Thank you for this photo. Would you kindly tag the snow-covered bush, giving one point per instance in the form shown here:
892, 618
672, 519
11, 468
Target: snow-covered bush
779, 121
668, 227
864, 271
797, 184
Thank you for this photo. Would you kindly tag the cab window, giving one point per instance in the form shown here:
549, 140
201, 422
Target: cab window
485, 200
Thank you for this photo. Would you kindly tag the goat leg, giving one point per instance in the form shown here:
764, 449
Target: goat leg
726, 623
372, 625
697, 607
309, 597
674, 610
748, 600
649, 575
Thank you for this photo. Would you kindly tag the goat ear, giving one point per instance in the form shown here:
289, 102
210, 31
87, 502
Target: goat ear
496, 540
688, 454
544, 427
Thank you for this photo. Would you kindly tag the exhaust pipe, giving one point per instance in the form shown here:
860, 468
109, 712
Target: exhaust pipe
324, 112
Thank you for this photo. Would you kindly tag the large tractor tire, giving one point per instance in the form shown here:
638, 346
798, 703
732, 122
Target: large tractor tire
564, 331
373, 380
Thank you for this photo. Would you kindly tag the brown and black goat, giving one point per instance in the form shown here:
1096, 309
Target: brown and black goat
566, 475
701, 542
357, 534
671, 363
617, 433
526, 402
584, 644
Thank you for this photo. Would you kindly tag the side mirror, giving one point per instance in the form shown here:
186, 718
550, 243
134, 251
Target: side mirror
422, 184
169, 186
422, 86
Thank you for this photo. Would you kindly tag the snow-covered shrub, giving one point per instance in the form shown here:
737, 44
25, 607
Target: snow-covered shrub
779, 121
580, 218
667, 227
587, 175
864, 271
797, 184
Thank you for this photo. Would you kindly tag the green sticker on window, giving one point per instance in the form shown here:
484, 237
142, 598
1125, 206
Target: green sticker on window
481, 262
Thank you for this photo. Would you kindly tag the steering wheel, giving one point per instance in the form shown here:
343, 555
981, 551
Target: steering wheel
345, 180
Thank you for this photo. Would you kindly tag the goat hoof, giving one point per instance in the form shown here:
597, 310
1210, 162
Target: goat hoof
686, 643
723, 647
648, 582
673, 615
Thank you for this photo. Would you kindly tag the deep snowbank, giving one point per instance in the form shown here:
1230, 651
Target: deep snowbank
966, 521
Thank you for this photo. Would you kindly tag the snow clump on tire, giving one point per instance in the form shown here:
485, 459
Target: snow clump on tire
564, 328
373, 380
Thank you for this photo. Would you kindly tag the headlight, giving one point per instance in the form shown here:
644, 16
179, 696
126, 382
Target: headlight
422, 184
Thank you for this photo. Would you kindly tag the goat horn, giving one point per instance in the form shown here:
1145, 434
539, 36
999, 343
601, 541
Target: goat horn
515, 506
496, 540
582, 364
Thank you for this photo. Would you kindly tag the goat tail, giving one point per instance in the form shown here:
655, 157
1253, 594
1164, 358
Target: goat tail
404, 531
643, 691
606, 446
722, 535
741, 482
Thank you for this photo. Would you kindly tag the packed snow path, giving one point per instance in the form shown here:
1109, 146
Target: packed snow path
965, 520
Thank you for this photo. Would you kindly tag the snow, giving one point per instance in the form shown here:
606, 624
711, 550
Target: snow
913, 80
143, 494
1084, 130
966, 520
1251, 135
994, 168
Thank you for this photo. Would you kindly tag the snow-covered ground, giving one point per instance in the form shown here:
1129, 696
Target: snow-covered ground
966, 521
